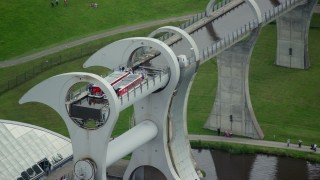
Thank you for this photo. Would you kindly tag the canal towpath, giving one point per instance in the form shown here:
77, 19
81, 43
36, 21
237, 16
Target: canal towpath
264, 143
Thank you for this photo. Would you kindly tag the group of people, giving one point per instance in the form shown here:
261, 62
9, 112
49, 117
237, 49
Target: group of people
94, 5
65, 3
313, 146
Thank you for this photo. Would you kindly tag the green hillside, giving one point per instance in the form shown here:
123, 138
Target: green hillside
30, 26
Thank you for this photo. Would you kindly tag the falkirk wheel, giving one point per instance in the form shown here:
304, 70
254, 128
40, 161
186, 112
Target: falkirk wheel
155, 77
147, 74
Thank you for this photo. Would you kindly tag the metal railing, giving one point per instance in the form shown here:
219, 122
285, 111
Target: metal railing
228, 40
195, 18
72, 96
146, 84
201, 15
278, 11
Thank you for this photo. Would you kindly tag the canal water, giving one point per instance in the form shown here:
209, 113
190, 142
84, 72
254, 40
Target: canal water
221, 165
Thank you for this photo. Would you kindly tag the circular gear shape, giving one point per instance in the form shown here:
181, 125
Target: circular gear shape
87, 105
84, 169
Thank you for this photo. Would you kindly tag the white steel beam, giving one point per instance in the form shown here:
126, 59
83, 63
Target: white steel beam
130, 140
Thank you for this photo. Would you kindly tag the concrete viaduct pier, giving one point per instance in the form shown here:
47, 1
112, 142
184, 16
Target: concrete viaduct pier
292, 41
232, 109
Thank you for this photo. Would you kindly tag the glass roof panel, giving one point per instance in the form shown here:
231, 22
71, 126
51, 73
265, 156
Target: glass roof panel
23, 145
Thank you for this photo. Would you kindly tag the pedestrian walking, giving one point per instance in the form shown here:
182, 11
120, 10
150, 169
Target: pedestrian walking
52, 3
57, 2
288, 142
65, 3
299, 143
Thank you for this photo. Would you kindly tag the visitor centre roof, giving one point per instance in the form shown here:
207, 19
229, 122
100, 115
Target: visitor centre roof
28, 151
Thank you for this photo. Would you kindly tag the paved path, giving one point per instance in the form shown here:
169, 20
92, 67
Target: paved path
61, 47
251, 142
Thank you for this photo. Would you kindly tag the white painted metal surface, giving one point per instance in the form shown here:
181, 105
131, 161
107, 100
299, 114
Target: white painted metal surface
256, 9
130, 140
23, 145
86, 143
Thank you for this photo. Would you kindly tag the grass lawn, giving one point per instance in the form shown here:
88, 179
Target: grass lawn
30, 26
201, 97
286, 101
